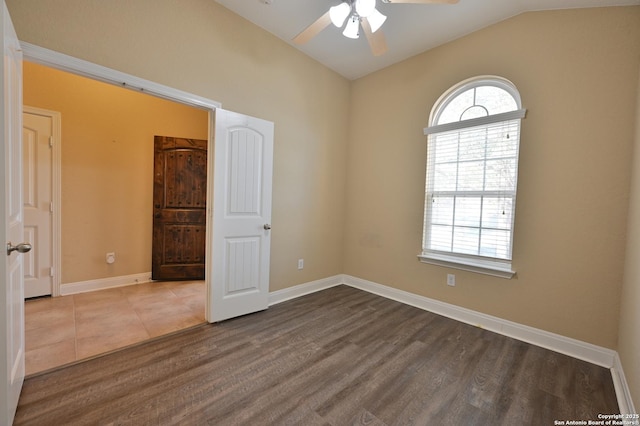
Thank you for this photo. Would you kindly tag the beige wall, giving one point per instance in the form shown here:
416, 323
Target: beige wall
629, 336
200, 47
577, 72
107, 167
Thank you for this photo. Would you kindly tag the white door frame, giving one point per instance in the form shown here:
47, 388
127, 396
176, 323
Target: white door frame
77, 66
56, 198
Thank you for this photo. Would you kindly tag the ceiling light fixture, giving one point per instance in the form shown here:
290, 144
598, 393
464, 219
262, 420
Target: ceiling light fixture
357, 13
339, 13
356, 10
376, 19
364, 8
352, 28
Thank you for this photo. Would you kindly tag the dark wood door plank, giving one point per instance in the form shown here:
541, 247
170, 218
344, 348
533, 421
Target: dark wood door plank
179, 208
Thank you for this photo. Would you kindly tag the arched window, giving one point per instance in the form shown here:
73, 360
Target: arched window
472, 173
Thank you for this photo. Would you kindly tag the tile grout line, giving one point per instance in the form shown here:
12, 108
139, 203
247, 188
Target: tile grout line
77, 306
138, 316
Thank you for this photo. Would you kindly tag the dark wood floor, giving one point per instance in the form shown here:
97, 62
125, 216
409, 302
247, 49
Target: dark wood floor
337, 357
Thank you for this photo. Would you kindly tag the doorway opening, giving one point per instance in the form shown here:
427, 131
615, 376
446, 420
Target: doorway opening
238, 239
106, 198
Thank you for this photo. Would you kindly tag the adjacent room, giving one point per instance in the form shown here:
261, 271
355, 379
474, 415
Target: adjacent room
349, 169
106, 187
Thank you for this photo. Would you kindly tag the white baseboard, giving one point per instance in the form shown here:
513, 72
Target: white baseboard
104, 283
555, 342
575, 348
625, 403
280, 296
594, 354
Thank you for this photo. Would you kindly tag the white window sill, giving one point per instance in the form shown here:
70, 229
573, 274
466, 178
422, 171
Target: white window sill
481, 266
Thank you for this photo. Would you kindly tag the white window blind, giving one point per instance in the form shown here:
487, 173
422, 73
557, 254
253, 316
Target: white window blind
470, 191
471, 188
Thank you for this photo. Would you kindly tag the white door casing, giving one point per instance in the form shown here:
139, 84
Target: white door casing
239, 266
40, 136
12, 317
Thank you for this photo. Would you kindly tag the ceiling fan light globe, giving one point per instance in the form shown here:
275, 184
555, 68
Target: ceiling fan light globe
364, 8
339, 13
376, 19
352, 28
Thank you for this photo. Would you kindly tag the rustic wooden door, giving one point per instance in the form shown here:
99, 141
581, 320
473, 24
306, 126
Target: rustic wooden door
179, 208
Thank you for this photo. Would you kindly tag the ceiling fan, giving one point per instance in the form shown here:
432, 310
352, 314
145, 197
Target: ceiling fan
358, 13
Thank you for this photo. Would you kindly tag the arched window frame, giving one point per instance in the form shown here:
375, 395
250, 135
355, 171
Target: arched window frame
451, 257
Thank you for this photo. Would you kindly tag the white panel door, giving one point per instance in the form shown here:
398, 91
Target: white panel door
243, 167
37, 134
11, 229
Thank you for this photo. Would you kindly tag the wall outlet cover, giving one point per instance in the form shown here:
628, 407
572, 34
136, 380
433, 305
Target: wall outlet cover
451, 280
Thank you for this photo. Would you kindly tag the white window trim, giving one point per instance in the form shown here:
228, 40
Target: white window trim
480, 121
472, 264
486, 80
488, 266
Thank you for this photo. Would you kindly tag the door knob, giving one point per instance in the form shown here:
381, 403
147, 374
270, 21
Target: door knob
266, 226
20, 248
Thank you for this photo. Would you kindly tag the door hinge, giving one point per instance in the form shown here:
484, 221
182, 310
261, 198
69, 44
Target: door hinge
51, 272
51, 141
51, 207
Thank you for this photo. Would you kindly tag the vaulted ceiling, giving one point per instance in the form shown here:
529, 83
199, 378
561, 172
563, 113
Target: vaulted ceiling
409, 29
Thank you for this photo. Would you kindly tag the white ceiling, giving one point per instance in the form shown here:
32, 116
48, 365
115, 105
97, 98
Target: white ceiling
410, 28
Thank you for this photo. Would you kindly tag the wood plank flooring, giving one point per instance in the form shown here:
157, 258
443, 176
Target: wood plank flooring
337, 357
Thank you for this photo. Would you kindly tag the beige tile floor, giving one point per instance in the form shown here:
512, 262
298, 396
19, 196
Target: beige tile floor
65, 329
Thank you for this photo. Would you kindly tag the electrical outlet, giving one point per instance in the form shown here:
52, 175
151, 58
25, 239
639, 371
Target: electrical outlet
300, 263
451, 280
111, 258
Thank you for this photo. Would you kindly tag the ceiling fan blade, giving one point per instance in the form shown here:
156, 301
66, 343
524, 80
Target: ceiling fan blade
312, 30
377, 41
422, 1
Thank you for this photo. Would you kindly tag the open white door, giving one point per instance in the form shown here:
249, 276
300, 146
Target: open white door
11, 229
243, 167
